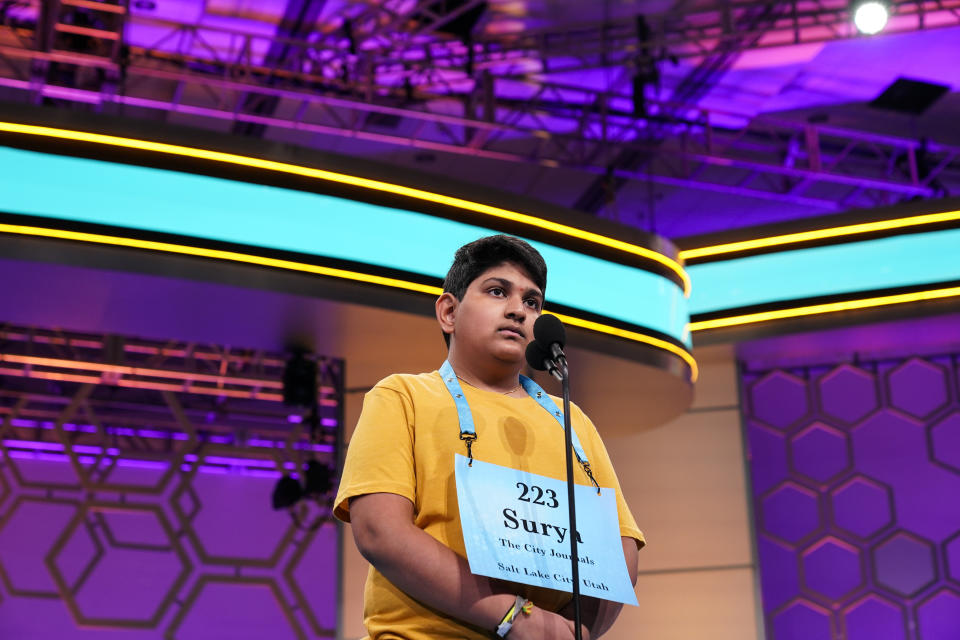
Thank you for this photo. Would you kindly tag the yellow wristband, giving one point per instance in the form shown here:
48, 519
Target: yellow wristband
520, 605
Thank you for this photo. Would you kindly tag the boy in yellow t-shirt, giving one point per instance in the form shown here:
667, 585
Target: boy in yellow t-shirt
398, 488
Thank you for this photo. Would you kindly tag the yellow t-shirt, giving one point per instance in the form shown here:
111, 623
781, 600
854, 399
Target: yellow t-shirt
405, 443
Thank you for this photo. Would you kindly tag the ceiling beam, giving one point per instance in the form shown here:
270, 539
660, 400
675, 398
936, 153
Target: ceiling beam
674, 143
748, 30
798, 162
298, 21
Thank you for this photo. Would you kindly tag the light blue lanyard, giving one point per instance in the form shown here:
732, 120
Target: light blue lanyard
469, 434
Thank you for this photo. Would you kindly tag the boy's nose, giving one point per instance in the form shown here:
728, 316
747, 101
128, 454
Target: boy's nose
516, 308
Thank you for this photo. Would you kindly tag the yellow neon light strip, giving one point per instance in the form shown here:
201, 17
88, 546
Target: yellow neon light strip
323, 271
830, 307
632, 335
376, 185
820, 234
220, 255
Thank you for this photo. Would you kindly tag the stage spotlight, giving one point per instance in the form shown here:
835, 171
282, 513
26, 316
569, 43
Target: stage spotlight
318, 479
317, 483
300, 381
287, 493
870, 16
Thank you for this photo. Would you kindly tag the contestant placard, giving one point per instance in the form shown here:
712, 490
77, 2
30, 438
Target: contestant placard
515, 527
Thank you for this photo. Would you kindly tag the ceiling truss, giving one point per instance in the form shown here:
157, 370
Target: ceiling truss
320, 87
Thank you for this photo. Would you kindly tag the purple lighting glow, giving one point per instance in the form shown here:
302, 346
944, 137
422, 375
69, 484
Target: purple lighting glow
38, 450
50, 457
253, 442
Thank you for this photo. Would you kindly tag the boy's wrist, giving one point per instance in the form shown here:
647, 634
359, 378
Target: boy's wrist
487, 612
520, 608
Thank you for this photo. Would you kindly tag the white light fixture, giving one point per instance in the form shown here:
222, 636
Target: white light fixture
870, 17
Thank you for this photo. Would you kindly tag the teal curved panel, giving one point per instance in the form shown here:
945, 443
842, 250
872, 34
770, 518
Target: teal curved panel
868, 265
199, 206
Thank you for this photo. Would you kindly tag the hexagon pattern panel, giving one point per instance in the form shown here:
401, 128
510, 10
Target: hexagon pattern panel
135, 492
855, 471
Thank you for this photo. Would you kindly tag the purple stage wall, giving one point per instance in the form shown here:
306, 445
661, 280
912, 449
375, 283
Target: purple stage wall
855, 471
144, 511
206, 559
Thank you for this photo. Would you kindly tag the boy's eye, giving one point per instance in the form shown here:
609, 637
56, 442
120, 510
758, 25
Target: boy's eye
497, 291
533, 303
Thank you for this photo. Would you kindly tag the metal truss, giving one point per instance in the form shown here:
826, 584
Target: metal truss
102, 403
694, 30
158, 389
695, 85
804, 163
377, 43
541, 123
96, 452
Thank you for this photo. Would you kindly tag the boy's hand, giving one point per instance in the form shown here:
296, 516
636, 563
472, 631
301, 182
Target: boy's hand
543, 625
584, 631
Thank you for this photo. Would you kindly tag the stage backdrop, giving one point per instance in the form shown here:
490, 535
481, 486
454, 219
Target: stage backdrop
135, 486
855, 471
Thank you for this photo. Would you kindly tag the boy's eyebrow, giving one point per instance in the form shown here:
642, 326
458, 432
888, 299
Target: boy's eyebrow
507, 284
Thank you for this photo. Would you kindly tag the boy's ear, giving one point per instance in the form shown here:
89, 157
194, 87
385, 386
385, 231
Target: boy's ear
447, 305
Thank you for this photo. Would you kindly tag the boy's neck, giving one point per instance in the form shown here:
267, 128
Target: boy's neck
500, 377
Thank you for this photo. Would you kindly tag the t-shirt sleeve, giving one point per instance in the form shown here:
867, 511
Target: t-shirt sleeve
606, 477
380, 454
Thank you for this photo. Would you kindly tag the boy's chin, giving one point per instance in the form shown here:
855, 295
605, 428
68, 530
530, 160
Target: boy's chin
513, 352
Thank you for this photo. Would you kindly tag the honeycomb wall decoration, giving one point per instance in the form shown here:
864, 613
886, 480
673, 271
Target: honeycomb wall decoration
141, 512
855, 474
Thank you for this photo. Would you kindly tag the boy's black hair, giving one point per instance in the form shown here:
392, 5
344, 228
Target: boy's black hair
474, 258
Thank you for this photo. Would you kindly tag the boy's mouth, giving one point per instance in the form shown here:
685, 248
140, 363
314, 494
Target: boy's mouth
512, 332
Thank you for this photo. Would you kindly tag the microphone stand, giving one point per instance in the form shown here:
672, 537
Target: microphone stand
560, 370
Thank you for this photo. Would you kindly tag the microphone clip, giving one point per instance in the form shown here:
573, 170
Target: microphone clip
557, 363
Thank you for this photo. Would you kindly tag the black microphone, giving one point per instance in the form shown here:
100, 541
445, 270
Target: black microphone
537, 356
546, 350
549, 332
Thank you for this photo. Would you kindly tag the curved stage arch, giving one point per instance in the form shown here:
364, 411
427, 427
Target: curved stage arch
359, 238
